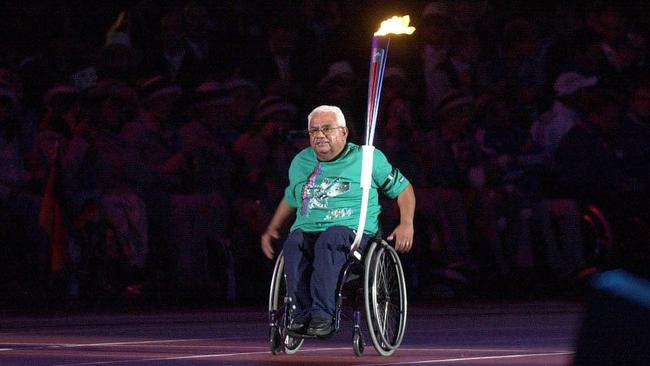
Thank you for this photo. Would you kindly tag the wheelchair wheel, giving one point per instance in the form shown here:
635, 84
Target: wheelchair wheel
385, 298
280, 341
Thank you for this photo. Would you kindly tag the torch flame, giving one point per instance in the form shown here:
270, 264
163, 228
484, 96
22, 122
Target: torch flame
395, 25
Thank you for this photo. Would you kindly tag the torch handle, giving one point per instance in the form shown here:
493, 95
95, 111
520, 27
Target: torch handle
366, 184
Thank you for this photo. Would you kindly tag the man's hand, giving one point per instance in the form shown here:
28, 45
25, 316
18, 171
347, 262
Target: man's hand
403, 236
403, 233
281, 215
267, 241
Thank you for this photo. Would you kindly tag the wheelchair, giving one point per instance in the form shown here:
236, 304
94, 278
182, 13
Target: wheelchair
616, 240
599, 246
376, 281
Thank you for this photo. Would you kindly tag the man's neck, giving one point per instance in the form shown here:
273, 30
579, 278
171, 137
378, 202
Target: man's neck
334, 157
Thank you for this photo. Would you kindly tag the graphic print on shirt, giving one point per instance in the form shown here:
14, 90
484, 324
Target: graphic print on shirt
317, 196
306, 189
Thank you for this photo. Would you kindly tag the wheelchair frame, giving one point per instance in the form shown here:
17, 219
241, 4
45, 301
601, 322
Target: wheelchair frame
383, 291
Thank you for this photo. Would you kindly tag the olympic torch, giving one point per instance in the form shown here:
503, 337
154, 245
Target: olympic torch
378, 57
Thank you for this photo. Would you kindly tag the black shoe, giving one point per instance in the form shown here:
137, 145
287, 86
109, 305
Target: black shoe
299, 325
320, 327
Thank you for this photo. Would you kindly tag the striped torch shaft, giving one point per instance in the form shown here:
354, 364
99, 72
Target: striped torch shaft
378, 57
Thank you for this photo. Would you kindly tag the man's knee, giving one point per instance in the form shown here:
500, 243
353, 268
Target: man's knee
294, 242
335, 237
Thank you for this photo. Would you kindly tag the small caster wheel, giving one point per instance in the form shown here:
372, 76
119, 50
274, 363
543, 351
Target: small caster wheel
275, 340
357, 343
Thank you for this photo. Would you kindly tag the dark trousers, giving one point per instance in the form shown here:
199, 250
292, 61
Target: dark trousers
312, 264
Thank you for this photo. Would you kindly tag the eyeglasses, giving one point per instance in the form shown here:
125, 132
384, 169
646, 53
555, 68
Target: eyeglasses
326, 130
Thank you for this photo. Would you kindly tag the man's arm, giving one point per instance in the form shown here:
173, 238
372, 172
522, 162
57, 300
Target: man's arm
403, 233
281, 215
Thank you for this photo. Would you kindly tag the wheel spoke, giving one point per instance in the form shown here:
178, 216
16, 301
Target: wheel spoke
391, 302
385, 314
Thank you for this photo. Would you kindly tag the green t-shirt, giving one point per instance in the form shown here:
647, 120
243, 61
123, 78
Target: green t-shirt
328, 193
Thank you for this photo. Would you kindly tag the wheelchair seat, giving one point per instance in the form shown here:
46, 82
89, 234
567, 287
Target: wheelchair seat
375, 285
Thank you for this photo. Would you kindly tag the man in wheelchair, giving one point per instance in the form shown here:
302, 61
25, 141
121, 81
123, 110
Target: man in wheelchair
324, 193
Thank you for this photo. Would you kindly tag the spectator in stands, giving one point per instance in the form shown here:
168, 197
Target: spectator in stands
175, 60
201, 210
279, 67
397, 113
118, 60
340, 86
561, 252
211, 49
502, 138
459, 70
111, 166
154, 133
447, 166
624, 50
246, 94
265, 149
257, 148
56, 128
638, 110
434, 33
630, 145
24, 254
517, 66
547, 131
586, 172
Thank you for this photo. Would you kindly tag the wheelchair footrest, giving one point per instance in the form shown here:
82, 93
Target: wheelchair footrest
305, 335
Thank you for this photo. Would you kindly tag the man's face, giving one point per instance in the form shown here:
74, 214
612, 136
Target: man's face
326, 137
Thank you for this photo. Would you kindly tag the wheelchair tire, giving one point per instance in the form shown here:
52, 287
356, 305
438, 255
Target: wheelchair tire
384, 297
280, 340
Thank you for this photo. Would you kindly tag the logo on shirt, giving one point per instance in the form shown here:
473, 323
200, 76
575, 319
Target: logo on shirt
338, 213
317, 195
326, 189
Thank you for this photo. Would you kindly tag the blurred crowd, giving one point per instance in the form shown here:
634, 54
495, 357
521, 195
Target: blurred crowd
145, 145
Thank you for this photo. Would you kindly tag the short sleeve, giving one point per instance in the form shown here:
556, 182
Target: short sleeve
388, 179
290, 191
290, 197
